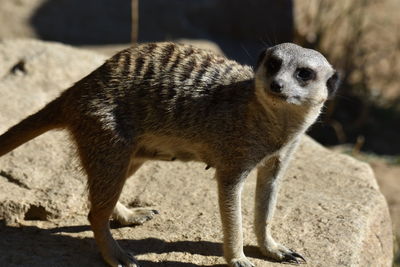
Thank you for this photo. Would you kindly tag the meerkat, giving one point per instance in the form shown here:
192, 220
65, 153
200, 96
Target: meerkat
166, 101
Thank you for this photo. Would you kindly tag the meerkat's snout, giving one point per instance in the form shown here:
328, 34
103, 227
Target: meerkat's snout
277, 89
276, 86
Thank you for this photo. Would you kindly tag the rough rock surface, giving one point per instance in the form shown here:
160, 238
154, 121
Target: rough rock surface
330, 208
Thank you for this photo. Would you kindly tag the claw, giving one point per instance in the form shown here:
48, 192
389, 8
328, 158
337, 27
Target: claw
130, 263
297, 255
291, 259
131, 257
155, 211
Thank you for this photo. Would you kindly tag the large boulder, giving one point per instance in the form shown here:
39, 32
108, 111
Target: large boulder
330, 208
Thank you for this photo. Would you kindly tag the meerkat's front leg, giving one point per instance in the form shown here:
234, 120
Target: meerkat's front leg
268, 181
229, 193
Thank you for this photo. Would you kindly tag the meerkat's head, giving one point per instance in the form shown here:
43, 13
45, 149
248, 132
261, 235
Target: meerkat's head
288, 73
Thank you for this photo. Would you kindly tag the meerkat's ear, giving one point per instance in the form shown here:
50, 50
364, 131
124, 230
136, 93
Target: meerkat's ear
260, 58
333, 84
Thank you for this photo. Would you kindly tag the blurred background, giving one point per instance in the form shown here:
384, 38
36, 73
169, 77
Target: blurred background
361, 38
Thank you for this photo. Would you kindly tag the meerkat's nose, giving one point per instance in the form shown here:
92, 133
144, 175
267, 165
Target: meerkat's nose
276, 86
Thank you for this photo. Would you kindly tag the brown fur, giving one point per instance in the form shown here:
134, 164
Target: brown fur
166, 101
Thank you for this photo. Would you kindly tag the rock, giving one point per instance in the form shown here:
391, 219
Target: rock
31, 75
330, 208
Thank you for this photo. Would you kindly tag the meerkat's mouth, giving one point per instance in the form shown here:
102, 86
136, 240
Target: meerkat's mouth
289, 99
277, 95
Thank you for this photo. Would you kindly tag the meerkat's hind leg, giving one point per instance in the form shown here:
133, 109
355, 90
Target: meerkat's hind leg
132, 216
106, 165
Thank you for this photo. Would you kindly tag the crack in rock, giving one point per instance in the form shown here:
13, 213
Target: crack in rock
13, 180
19, 68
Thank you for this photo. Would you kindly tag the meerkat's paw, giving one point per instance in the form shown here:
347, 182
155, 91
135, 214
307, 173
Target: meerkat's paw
241, 262
132, 216
123, 260
281, 253
136, 216
129, 261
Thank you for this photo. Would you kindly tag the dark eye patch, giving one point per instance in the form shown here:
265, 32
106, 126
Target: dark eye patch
305, 74
273, 65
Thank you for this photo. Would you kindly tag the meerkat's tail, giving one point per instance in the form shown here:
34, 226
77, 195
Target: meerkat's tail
36, 124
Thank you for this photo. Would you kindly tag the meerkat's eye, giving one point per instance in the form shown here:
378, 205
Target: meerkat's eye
273, 65
305, 74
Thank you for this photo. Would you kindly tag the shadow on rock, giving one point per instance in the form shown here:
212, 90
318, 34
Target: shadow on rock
205, 248
83, 22
240, 32
175, 264
34, 246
